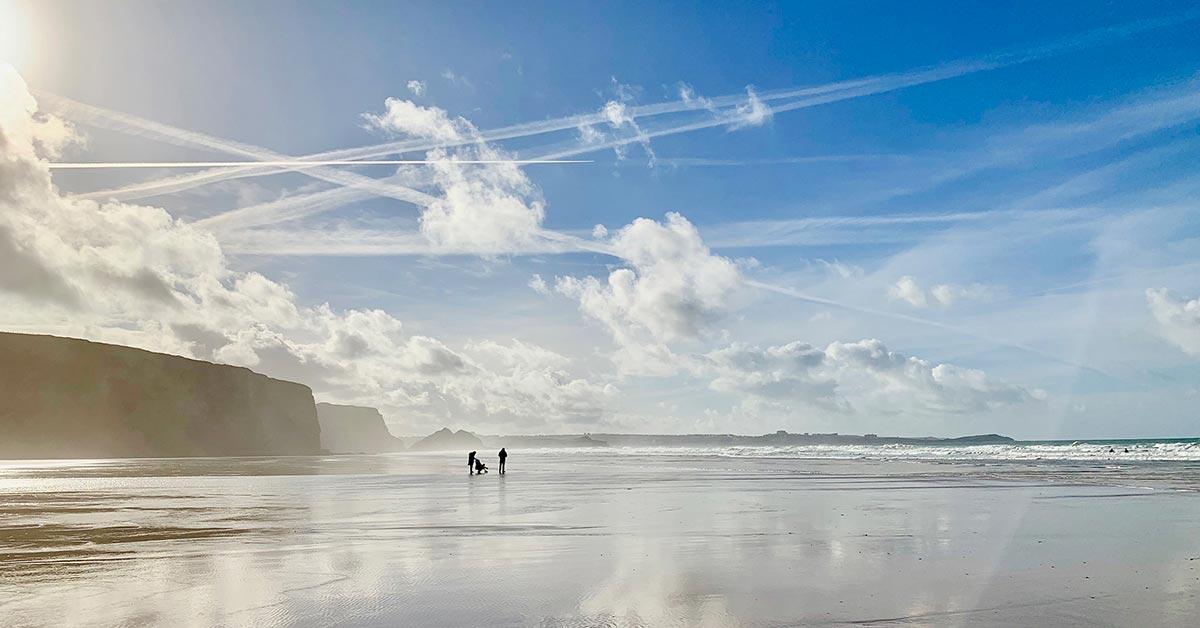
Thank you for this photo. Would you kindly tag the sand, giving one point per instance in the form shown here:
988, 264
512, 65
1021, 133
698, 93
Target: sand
597, 538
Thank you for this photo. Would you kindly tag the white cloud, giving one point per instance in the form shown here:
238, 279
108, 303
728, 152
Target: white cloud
456, 79
616, 113
619, 115
599, 232
688, 95
588, 134
907, 289
753, 112
417, 88
406, 118
943, 295
859, 376
134, 275
487, 208
673, 288
484, 208
1178, 319
539, 285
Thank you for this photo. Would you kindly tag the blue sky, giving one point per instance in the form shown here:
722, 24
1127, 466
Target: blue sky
978, 218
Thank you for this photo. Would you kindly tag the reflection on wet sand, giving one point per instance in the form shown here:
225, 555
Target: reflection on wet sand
593, 539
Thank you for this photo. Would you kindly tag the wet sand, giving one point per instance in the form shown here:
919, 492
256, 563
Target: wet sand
597, 538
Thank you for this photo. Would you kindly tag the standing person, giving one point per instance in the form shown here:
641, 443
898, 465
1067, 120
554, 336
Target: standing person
471, 463
503, 456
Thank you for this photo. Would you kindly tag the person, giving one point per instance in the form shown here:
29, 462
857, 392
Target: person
470, 463
503, 455
480, 468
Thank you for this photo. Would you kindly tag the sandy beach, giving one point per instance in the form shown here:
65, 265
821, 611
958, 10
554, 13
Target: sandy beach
597, 538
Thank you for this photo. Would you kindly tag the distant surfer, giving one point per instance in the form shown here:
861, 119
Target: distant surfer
503, 456
470, 463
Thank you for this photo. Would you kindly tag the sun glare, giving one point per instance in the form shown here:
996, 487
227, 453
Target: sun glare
14, 32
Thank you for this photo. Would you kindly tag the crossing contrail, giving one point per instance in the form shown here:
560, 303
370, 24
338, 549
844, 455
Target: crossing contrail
811, 94
298, 164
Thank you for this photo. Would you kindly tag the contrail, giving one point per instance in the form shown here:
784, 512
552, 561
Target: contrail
949, 70
269, 213
136, 125
818, 96
298, 164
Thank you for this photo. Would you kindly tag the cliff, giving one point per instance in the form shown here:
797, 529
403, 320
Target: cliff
69, 398
354, 430
445, 439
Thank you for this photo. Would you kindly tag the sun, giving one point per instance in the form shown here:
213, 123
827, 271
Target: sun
14, 31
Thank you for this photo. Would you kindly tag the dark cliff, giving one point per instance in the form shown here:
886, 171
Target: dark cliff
69, 398
354, 430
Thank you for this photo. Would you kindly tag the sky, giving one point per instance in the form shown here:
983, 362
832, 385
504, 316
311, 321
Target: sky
900, 218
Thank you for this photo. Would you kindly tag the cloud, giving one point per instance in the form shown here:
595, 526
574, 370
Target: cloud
406, 118
753, 112
487, 208
539, 285
1178, 319
456, 79
483, 208
417, 88
943, 295
619, 114
856, 376
672, 288
132, 274
688, 96
788, 100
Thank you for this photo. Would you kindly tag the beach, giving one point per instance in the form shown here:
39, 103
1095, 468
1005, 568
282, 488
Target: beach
600, 538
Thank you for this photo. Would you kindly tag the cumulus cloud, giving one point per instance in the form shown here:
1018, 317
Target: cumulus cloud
539, 285
672, 288
134, 275
405, 118
417, 88
485, 208
482, 207
907, 289
863, 375
1178, 319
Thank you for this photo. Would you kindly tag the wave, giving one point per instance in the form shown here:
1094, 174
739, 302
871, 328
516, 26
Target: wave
1076, 451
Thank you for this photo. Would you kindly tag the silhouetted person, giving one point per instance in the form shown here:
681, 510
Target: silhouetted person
503, 455
480, 468
471, 462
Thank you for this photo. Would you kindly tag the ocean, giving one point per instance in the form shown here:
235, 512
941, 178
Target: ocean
1025, 534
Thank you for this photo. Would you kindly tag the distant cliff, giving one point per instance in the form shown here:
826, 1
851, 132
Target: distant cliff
354, 430
68, 398
445, 439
